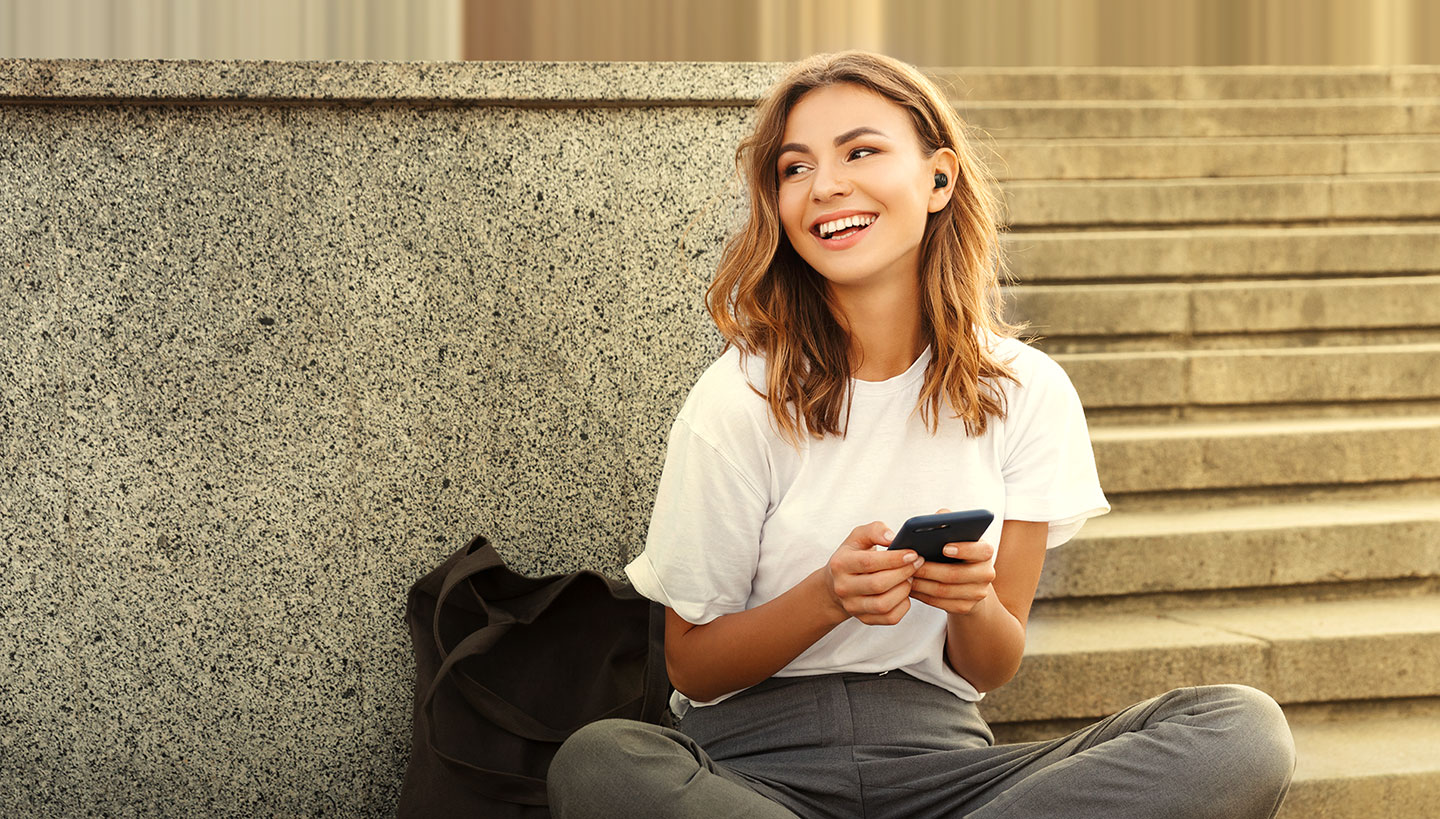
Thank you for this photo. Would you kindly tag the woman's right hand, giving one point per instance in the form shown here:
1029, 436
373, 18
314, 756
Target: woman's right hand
872, 585
740, 649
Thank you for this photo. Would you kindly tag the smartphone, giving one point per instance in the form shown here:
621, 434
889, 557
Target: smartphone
928, 534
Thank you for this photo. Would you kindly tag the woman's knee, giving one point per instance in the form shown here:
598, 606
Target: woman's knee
585, 763
1259, 738
604, 765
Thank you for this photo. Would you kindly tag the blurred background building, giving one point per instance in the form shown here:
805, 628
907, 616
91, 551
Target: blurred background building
925, 32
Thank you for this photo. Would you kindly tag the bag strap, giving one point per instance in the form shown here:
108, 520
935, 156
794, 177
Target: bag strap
509, 787
482, 558
499, 711
657, 677
653, 699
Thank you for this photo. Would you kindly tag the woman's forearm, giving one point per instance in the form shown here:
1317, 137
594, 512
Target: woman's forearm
738, 650
985, 646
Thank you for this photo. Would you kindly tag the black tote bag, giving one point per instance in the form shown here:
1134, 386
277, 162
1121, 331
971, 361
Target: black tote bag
507, 667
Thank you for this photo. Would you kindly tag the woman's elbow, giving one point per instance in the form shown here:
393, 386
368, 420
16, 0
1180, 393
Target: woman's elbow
986, 679
681, 679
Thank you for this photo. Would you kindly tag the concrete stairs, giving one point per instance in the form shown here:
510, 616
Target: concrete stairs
1240, 271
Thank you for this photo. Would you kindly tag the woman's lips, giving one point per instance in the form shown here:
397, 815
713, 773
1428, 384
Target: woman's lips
845, 238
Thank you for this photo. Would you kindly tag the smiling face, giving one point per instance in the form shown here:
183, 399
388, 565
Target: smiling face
856, 188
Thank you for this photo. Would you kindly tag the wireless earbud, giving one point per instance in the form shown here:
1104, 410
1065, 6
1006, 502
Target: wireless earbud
941, 180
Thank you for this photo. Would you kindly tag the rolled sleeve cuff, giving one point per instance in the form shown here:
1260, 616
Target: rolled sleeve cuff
1066, 515
642, 575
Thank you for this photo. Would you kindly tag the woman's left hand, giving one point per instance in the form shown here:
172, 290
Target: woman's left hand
956, 587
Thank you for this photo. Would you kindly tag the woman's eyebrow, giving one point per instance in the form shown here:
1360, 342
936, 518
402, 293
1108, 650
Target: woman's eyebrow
839, 140
855, 132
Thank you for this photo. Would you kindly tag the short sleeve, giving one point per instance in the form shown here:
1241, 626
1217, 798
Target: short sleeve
1049, 465
704, 540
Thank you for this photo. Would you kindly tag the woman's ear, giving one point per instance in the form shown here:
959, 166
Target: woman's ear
946, 169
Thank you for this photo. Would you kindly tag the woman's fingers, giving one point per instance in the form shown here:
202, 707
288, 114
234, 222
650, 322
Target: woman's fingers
872, 583
857, 557
868, 536
977, 552
884, 609
875, 585
977, 571
957, 587
950, 591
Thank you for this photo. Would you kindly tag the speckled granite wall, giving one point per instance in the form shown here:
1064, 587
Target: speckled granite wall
279, 337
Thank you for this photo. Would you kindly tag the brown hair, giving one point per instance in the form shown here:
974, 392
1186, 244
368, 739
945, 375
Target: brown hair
766, 300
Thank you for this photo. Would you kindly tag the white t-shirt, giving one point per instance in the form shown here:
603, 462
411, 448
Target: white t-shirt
742, 516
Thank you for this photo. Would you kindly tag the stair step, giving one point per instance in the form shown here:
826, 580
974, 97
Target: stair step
1190, 158
1366, 767
1197, 201
1227, 307
1238, 118
1252, 546
1222, 253
1090, 666
1273, 453
1189, 83
1183, 378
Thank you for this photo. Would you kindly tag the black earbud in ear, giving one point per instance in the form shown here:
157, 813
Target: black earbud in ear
941, 180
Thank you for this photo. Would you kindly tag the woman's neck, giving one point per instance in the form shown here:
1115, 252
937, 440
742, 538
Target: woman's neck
885, 329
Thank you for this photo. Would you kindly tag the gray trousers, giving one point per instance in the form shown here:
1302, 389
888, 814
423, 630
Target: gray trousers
875, 746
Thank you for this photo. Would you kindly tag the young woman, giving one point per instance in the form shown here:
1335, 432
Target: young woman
869, 377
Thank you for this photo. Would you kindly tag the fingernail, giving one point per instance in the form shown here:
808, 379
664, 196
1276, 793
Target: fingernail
952, 550
888, 535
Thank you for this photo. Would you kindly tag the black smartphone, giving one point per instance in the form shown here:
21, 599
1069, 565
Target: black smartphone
928, 534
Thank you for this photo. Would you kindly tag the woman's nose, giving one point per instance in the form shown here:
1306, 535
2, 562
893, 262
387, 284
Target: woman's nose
829, 181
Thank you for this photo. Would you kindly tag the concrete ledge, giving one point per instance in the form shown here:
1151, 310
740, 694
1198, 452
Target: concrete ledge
1234, 547
565, 84
1222, 252
569, 82
1266, 453
265, 365
1082, 667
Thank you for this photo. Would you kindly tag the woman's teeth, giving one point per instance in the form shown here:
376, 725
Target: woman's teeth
829, 229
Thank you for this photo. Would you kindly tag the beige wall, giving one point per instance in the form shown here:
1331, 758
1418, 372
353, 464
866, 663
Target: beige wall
231, 29
964, 32
925, 32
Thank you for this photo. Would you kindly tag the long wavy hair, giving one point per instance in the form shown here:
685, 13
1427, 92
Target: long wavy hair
767, 301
